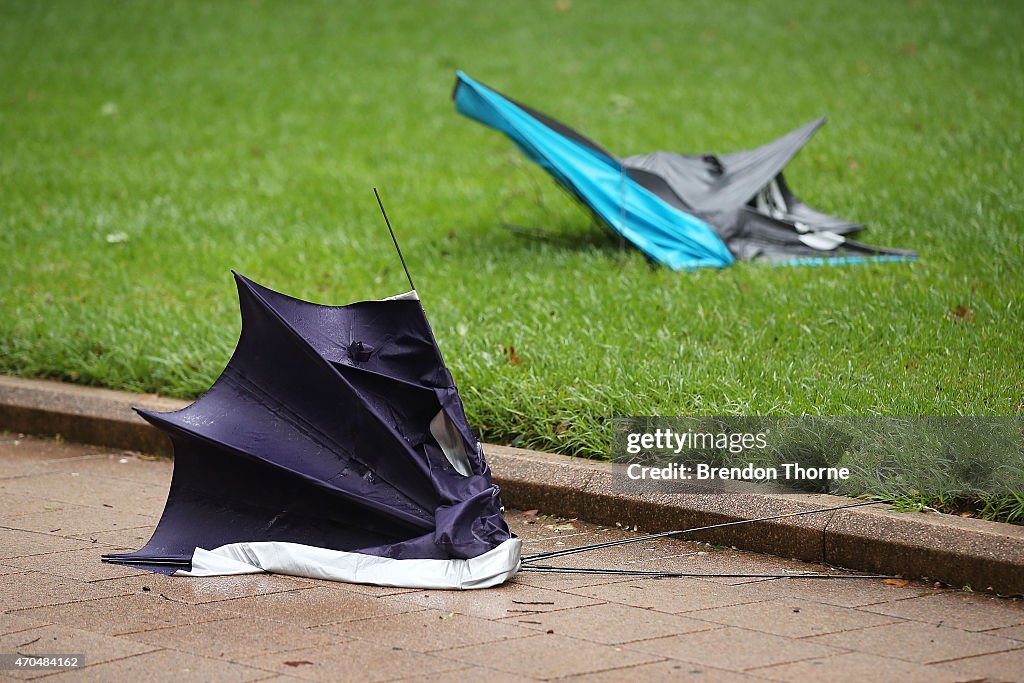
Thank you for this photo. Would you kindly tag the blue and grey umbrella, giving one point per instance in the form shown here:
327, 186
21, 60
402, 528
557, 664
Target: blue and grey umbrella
682, 210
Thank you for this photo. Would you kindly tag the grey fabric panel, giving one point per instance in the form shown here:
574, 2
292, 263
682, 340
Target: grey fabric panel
715, 183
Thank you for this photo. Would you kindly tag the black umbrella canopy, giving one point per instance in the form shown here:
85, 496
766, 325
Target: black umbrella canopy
332, 427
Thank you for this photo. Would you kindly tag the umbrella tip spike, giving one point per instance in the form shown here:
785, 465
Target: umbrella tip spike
394, 239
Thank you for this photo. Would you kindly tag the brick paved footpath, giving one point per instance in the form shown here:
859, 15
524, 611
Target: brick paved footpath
63, 505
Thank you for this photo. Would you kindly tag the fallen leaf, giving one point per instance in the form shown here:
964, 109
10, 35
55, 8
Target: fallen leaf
961, 312
529, 513
899, 583
559, 527
446, 617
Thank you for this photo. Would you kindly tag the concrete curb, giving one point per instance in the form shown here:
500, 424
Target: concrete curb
985, 555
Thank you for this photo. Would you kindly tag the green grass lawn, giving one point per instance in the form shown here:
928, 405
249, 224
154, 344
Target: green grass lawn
148, 147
